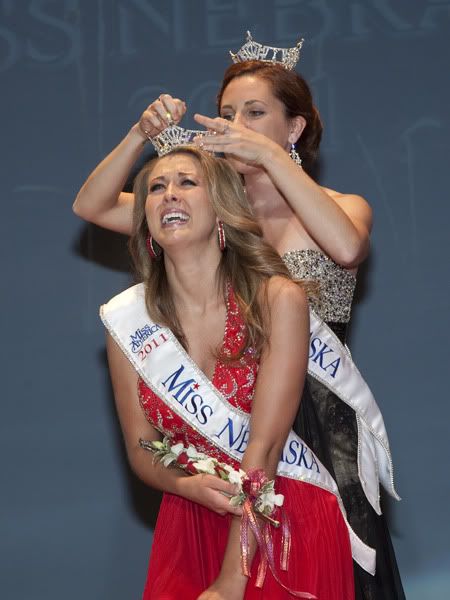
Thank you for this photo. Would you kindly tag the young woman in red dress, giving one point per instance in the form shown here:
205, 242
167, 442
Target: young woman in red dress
244, 323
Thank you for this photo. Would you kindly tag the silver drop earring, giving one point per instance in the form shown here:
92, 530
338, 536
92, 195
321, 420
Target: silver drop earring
295, 156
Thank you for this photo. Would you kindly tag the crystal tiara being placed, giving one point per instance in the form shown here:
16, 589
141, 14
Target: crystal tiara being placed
173, 137
251, 50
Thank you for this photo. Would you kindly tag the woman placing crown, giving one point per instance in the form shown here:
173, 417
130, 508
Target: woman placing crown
192, 352
270, 130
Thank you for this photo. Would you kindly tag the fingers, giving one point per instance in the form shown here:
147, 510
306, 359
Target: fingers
214, 143
223, 507
223, 133
162, 108
219, 125
225, 487
170, 109
217, 484
203, 120
160, 114
215, 493
151, 121
234, 510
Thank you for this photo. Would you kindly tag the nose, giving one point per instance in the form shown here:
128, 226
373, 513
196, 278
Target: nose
240, 119
170, 194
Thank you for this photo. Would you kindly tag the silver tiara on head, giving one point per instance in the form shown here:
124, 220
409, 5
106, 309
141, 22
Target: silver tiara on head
251, 50
173, 137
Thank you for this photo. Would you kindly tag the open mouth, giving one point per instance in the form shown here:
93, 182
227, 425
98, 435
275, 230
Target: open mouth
175, 217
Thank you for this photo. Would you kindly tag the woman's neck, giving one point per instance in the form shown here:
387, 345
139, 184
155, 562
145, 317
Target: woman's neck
192, 279
265, 199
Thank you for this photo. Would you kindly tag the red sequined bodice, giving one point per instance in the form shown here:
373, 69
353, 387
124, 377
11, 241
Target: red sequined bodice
235, 381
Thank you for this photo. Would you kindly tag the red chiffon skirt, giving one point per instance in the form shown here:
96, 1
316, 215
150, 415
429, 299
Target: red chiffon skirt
190, 541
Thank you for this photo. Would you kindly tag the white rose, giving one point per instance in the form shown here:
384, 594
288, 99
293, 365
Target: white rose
234, 476
268, 500
206, 465
177, 449
168, 459
192, 452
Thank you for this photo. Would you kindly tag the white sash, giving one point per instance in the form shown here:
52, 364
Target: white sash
167, 369
330, 362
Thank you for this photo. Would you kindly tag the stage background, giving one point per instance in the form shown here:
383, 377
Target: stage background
75, 75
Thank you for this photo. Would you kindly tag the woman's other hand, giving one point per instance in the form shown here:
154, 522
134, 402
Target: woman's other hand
211, 492
229, 586
236, 140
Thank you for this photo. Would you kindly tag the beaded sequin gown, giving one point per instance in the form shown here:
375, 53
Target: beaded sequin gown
190, 540
328, 426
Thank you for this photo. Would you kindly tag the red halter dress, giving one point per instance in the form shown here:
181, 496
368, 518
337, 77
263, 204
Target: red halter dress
189, 540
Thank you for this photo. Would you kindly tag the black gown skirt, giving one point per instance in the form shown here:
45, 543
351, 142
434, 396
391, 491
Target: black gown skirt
328, 426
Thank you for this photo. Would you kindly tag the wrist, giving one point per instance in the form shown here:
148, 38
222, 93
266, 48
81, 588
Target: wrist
232, 580
137, 134
233, 571
273, 154
183, 486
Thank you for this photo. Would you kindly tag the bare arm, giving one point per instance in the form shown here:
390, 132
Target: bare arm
274, 408
339, 224
203, 489
101, 199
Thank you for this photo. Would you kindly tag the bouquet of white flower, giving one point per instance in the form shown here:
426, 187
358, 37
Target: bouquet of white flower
256, 495
192, 461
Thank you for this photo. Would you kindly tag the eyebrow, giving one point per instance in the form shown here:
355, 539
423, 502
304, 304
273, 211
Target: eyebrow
180, 174
247, 103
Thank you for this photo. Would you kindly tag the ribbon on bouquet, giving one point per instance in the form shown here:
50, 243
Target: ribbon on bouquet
252, 484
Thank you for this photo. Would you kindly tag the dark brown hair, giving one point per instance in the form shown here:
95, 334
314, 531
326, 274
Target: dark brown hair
293, 91
247, 262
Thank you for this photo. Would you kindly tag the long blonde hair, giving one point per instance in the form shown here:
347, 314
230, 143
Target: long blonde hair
246, 264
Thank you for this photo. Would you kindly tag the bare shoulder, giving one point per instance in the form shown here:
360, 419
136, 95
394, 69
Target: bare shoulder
118, 362
286, 296
353, 205
289, 319
344, 197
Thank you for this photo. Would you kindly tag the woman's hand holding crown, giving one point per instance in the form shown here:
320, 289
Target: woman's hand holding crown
236, 140
160, 114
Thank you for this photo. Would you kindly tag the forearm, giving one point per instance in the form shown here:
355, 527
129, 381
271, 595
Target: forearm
209, 491
275, 403
101, 191
154, 474
329, 225
257, 456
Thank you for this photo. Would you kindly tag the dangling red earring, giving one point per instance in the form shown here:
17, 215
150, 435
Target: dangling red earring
221, 233
151, 250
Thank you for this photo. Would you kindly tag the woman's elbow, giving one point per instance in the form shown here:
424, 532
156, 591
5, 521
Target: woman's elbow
135, 462
81, 208
352, 255
76, 209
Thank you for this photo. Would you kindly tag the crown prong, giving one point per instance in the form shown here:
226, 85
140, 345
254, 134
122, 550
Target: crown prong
252, 50
173, 137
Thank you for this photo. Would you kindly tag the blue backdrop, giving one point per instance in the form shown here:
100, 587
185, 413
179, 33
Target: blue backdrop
75, 75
